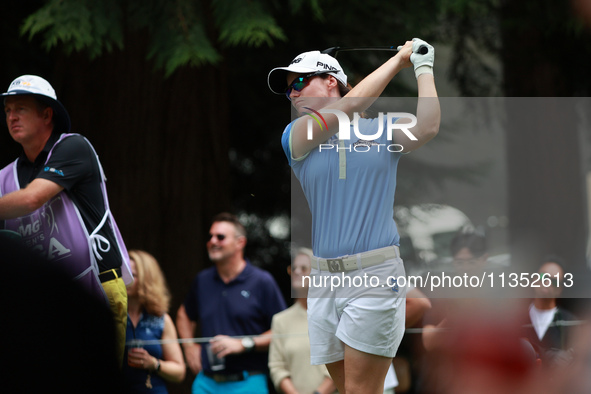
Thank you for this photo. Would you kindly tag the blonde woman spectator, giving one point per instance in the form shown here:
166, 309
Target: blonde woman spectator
147, 368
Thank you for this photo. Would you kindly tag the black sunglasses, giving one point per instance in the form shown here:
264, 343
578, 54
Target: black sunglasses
220, 237
300, 83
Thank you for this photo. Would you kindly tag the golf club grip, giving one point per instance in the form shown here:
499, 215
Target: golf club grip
423, 50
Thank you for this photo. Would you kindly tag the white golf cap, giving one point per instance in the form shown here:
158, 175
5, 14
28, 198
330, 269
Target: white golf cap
39, 87
306, 63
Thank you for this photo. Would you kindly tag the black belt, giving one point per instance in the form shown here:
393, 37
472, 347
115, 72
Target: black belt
110, 275
230, 377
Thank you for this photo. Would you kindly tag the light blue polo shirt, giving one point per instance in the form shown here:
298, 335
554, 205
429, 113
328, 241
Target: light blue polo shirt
354, 214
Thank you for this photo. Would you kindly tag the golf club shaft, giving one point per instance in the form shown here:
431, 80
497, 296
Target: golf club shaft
334, 50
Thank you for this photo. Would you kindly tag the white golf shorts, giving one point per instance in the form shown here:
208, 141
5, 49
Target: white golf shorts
366, 311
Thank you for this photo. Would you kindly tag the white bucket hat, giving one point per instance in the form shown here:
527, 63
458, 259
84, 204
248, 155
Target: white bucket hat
39, 87
306, 63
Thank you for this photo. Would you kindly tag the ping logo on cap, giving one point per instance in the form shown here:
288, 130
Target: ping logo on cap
326, 66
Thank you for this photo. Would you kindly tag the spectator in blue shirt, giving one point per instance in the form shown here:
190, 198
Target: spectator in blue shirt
232, 302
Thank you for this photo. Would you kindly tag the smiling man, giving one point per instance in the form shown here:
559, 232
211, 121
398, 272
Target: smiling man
233, 302
54, 196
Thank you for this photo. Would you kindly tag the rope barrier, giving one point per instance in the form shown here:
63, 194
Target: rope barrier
141, 342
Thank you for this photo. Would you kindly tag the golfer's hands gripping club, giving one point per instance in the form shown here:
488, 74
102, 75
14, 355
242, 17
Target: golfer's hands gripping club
422, 56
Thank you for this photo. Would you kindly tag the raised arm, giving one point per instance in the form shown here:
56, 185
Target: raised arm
364, 94
358, 100
428, 108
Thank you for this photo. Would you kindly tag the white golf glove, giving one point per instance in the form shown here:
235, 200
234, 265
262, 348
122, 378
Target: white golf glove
423, 63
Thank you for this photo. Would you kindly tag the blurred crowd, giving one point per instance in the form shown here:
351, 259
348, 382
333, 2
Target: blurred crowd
238, 335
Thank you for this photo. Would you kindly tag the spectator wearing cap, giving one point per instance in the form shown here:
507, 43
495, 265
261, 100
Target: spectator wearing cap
54, 196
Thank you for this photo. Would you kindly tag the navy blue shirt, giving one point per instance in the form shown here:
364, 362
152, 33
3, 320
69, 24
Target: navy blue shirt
245, 306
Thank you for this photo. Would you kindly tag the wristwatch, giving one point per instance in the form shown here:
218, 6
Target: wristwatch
248, 344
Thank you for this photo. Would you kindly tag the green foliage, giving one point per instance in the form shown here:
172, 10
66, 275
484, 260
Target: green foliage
91, 25
298, 5
245, 22
179, 32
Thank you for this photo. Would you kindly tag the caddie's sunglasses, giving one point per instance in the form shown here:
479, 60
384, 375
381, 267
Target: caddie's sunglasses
300, 83
220, 237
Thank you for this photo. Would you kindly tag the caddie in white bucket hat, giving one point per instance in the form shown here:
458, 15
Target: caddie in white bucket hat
43, 91
54, 196
307, 63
